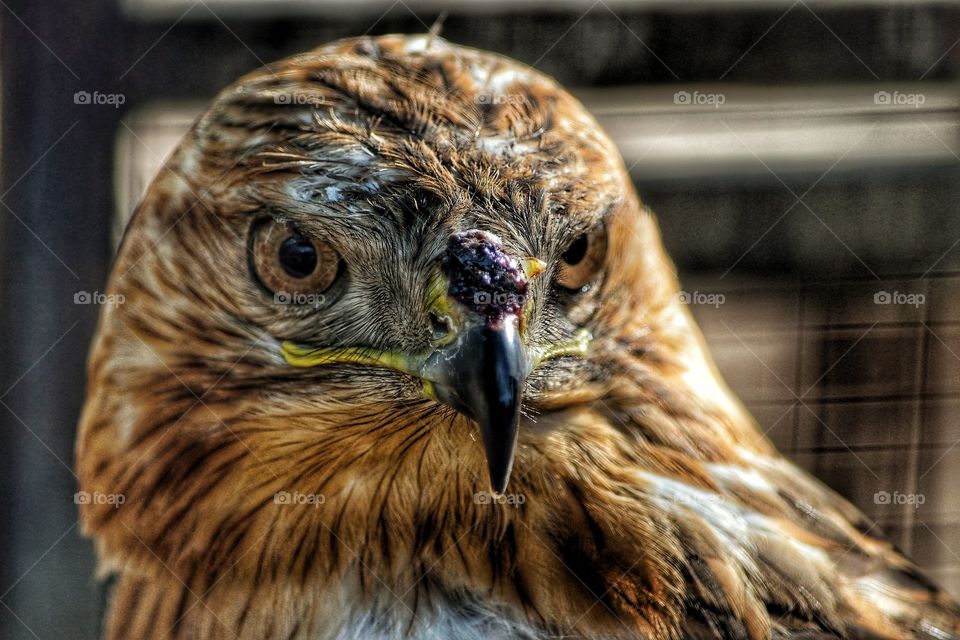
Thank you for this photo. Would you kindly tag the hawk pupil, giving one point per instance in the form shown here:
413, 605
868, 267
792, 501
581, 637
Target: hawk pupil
298, 257
577, 251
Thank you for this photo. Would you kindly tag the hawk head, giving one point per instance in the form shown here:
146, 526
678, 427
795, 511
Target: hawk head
438, 232
376, 287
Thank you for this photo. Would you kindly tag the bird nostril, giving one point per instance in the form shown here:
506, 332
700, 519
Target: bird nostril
441, 327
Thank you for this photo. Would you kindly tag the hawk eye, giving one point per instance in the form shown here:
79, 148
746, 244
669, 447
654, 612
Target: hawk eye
581, 263
289, 262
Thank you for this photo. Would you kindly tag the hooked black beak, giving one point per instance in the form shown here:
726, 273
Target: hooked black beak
481, 375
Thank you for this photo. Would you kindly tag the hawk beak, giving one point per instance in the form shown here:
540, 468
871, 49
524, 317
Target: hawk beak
481, 375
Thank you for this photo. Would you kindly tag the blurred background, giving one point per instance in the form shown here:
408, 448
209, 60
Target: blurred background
802, 158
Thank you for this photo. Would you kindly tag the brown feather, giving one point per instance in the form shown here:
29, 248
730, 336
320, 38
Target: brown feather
652, 505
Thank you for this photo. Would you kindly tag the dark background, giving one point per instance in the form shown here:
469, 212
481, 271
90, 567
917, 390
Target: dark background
864, 396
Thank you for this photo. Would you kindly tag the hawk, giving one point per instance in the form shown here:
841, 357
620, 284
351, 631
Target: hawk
400, 355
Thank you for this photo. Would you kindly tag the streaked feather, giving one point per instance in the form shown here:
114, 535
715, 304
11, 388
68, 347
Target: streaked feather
653, 507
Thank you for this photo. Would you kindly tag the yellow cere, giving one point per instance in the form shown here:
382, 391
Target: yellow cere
437, 298
532, 267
